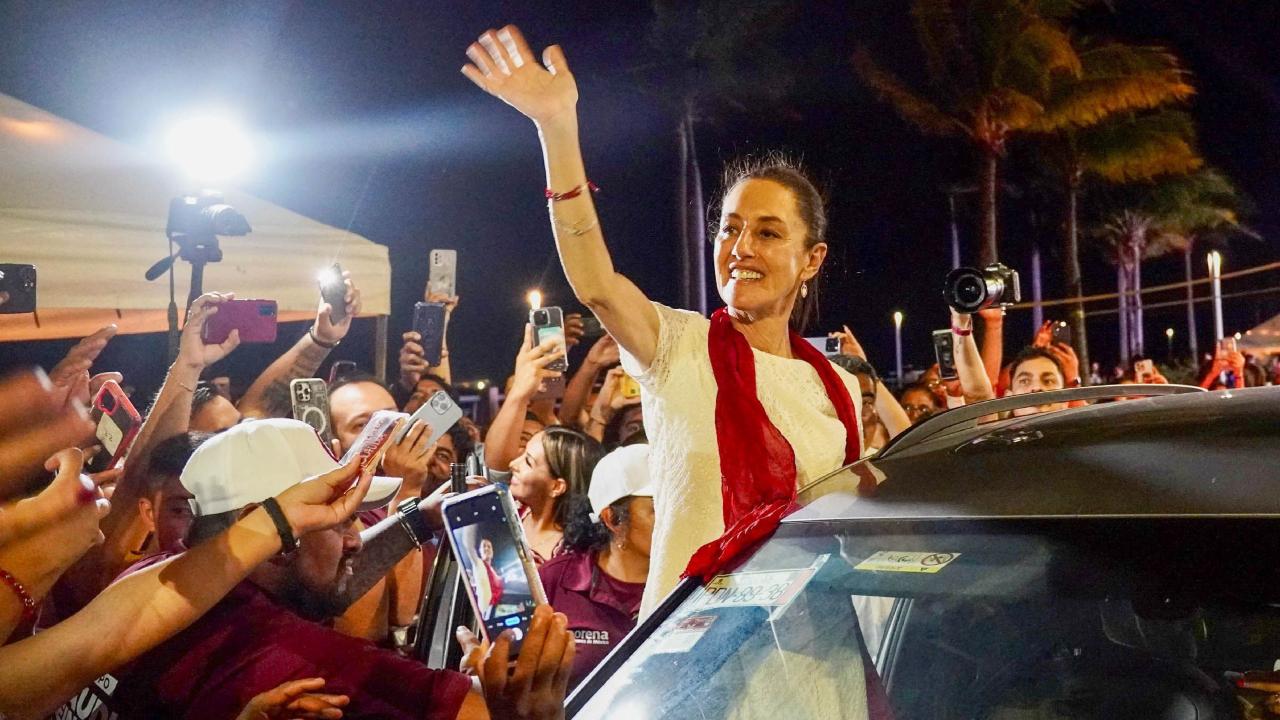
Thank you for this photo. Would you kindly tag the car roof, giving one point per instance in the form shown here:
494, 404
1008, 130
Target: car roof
1192, 455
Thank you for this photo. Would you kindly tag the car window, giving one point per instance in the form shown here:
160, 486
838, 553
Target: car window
1004, 620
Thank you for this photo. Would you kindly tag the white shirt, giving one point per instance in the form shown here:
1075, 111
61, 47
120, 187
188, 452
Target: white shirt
679, 402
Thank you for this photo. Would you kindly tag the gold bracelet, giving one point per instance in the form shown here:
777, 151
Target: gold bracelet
577, 229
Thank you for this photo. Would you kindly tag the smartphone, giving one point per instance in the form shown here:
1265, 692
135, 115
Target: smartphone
944, 352
552, 388
497, 565
829, 346
629, 387
428, 322
548, 322
373, 440
333, 290
1143, 369
19, 280
439, 411
255, 319
442, 276
117, 423
341, 369
1061, 333
310, 398
591, 327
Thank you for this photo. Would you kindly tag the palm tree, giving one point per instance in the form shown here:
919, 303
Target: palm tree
988, 61
713, 52
1159, 219
1124, 149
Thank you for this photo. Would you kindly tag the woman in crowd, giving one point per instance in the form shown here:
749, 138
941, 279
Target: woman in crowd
740, 401
599, 579
553, 471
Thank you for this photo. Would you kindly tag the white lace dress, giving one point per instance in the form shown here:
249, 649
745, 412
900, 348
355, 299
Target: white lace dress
679, 402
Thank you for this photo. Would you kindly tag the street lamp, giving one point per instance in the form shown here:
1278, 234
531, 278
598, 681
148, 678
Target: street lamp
535, 299
1215, 277
897, 344
1168, 334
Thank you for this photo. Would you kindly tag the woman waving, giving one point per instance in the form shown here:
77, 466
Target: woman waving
738, 408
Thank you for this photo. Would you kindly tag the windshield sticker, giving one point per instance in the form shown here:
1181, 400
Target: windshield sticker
685, 634
908, 562
765, 588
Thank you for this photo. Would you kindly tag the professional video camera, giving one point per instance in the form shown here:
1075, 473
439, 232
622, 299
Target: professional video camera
968, 290
196, 221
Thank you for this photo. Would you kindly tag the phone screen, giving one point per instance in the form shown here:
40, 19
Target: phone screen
488, 549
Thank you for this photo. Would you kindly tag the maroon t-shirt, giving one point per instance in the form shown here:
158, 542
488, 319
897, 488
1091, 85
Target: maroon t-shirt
601, 609
248, 644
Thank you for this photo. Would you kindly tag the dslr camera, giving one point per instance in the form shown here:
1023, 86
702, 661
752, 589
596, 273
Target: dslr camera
196, 221
968, 290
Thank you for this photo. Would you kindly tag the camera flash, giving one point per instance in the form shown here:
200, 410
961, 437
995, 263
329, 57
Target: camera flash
535, 299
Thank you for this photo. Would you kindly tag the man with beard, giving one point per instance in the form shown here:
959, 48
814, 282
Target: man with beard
268, 630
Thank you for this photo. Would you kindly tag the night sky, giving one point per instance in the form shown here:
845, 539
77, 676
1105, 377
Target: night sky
365, 122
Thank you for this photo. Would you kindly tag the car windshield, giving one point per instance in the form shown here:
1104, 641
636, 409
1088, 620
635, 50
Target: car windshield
930, 620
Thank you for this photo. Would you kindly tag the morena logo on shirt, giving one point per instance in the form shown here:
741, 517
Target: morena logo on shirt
591, 637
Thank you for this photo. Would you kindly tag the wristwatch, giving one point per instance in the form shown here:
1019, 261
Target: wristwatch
413, 521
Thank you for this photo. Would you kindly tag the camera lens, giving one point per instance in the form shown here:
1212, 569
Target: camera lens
969, 290
540, 317
966, 290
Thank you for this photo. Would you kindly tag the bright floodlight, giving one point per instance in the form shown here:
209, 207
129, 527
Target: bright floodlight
535, 299
209, 148
897, 318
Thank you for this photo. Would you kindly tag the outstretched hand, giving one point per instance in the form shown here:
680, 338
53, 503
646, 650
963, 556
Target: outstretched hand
849, 344
503, 65
326, 500
192, 349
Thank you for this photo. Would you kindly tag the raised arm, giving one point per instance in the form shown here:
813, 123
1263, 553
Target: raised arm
895, 419
269, 395
974, 381
134, 615
502, 443
505, 67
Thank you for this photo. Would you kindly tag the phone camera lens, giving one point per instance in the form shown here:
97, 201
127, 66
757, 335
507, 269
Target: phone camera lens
540, 317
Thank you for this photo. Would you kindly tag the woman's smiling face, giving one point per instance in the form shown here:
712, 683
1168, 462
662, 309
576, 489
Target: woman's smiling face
760, 247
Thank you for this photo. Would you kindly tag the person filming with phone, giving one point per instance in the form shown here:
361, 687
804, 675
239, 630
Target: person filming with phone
737, 406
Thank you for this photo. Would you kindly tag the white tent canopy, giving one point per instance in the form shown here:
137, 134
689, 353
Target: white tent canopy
1262, 340
89, 212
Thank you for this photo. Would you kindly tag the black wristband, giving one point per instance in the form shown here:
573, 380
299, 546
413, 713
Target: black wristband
287, 542
316, 339
413, 522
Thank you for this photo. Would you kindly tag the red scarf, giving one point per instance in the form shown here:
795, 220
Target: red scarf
757, 464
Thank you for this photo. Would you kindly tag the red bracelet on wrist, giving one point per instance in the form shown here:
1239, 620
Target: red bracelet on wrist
960, 332
28, 603
554, 196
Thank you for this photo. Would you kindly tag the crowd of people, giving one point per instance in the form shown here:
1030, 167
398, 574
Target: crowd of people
231, 566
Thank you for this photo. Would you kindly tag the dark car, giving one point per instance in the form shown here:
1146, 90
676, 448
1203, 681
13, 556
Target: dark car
1116, 561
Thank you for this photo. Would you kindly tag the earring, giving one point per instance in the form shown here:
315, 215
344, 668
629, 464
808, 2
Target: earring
804, 289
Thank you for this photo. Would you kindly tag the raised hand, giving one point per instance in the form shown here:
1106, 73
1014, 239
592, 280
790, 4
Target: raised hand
192, 349
535, 688
81, 357
326, 500
413, 363
604, 352
325, 328
849, 344
410, 459
503, 65
34, 424
1066, 357
295, 699
64, 516
532, 362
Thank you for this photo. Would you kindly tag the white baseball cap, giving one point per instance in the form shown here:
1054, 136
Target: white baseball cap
622, 473
255, 460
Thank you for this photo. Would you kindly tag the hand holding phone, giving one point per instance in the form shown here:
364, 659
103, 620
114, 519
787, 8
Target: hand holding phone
1143, 370
116, 424
1061, 332
255, 319
428, 322
548, 324
442, 277
945, 354
372, 441
829, 346
501, 579
309, 398
333, 292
